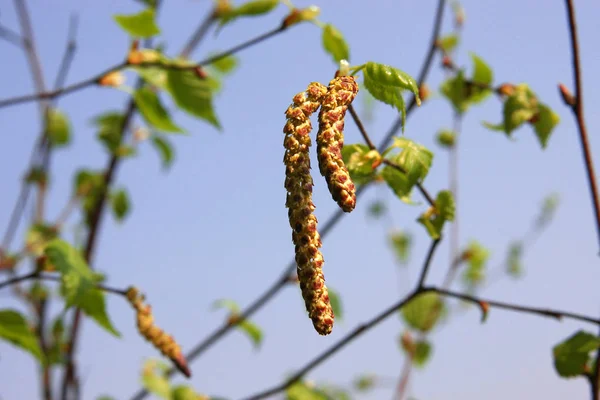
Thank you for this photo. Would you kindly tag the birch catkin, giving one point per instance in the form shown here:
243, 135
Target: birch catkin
299, 183
330, 140
165, 343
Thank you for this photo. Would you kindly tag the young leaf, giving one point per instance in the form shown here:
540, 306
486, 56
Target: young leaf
454, 89
58, 128
38, 237
141, 25
401, 242
153, 111
225, 65
120, 204
182, 392
192, 94
415, 159
422, 353
447, 43
377, 209
335, 44
303, 391
476, 257
361, 162
250, 9
423, 312
165, 150
364, 382
388, 76
227, 304
14, 329
446, 138
110, 126
253, 332
483, 75
572, 355
78, 282
435, 217
397, 181
514, 265
544, 124
154, 379
549, 207
336, 304
386, 94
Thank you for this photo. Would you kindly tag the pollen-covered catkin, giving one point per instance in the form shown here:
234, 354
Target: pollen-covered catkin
299, 183
330, 140
165, 343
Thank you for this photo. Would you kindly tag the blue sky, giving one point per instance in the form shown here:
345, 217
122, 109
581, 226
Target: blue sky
215, 225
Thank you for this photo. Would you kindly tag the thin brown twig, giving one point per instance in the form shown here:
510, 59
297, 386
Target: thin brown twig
11, 37
36, 275
543, 312
94, 79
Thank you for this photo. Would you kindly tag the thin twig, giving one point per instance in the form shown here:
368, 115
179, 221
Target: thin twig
36, 275
428, 258
11, 37
361, 128
543, 312
199, 34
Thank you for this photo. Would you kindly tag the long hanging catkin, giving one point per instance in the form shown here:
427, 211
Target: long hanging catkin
165, 343
330, 140
299, 183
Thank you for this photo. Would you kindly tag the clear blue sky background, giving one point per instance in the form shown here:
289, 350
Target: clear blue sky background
215, 226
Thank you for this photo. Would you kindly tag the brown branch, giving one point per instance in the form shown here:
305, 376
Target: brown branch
543, 312
94, 80
361, 128
11, 37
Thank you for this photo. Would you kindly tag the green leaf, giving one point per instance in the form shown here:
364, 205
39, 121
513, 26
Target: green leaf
336, 304
401, 242
482, 74
572, 355
110, 127
424, 311
154, 76
38, 237
476, 257
415, 159
377, 209
397, 181
105, 397
154, 379
448, 43
435, 217
249, 9
422, 353
192, 94
454, 89
165, 150
14, 329
520, 107
78, 282
120, 204
182, 392
386, 94
514, 265
153, 111
335, 44
302, 391
58, 128
365, 382
446, 138
549, 207
227, 304
225, 65
544, 124
141, 25
253, 332
386, 75
359, 160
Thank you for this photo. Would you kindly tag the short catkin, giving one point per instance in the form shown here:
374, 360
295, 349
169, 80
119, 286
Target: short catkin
330, 140
165, 343
299, 184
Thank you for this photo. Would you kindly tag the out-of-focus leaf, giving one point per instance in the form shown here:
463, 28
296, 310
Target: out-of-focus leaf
514, 264
424, 311
250, 9
571, 356
549, 207
336, 304
78, 282
401, 243
164, 149
476, 257
225, 65
192, 94
303, 391
423, 350
377, 209
364, 383
361, 162
38, 237
141, 25
448, 43
154, 379
58, 128
253, 332
446, 138
227, 304
435, 217
15, 330
120, 204
153, 111
335, 44
544, 124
